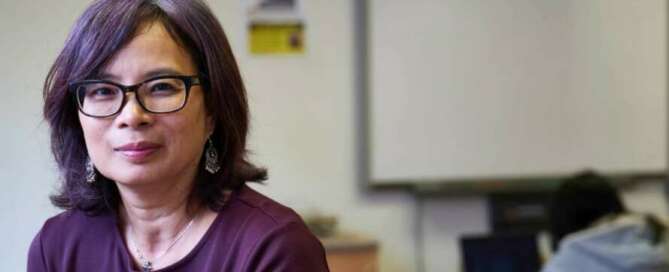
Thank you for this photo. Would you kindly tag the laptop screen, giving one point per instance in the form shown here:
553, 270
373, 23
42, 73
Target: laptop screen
500, 253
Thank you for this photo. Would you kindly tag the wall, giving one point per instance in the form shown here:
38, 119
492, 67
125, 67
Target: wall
32, 33
303, 109
303, 130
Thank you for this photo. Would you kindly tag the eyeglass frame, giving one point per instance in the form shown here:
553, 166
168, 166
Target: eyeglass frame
189, 81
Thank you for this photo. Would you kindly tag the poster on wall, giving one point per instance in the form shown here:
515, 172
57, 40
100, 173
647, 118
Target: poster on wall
274, 27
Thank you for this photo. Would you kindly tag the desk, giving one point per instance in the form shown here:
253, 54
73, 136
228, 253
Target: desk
350, 253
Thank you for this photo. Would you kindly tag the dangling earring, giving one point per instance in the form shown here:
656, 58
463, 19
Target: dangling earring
211, 158
90, 171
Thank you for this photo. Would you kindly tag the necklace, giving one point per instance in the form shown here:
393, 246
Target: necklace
147, 265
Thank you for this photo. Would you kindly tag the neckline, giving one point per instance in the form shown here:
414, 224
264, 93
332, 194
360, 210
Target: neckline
129, 263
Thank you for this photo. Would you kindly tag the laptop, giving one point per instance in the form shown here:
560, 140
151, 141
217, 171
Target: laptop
500, 253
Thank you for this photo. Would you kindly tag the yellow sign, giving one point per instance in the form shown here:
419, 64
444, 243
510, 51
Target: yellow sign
276, 38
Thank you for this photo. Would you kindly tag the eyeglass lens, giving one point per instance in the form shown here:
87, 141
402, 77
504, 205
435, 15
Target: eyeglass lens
157, 96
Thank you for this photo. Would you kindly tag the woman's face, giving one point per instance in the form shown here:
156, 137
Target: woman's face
137, 147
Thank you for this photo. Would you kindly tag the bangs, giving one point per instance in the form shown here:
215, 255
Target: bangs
113, 25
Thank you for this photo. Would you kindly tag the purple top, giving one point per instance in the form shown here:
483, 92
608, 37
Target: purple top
250, 233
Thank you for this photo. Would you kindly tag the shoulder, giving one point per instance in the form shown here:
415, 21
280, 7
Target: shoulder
275, 236
609, 230
289, 247
63, 234
265, 209
72, 224
70, 217
622, 241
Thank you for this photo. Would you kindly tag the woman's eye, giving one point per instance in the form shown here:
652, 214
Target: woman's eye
163, 87
102, 93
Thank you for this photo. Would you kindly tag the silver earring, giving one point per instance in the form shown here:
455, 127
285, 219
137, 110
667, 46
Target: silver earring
211, 158
90, 171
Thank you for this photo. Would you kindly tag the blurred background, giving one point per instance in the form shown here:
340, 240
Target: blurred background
414, 124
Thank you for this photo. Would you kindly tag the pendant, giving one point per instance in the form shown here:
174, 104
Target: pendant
147, 267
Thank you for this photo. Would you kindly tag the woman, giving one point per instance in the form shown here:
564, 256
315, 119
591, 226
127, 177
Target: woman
149, 118
592, 231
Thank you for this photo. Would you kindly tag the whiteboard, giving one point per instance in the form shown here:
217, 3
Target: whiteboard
460, 89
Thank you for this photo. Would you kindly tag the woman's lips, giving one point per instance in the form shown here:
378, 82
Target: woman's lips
138, 151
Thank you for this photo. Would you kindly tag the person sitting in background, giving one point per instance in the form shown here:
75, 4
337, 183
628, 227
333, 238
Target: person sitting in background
592, 230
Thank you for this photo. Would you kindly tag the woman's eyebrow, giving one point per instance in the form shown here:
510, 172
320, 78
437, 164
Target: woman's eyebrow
146, 75
161, 72
106, 76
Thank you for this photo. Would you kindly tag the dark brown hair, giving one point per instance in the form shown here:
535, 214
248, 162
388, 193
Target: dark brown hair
581, 200
104, 28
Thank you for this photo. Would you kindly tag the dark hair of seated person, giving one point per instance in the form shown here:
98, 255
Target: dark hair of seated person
585, 198
579, 201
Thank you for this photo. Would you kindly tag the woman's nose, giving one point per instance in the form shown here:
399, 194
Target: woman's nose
132, 114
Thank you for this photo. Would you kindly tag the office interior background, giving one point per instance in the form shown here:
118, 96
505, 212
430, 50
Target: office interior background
306, 118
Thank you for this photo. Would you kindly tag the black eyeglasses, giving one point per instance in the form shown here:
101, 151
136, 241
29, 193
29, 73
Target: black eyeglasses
162, 94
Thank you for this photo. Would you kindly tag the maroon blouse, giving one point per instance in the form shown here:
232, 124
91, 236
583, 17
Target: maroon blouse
251, 233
